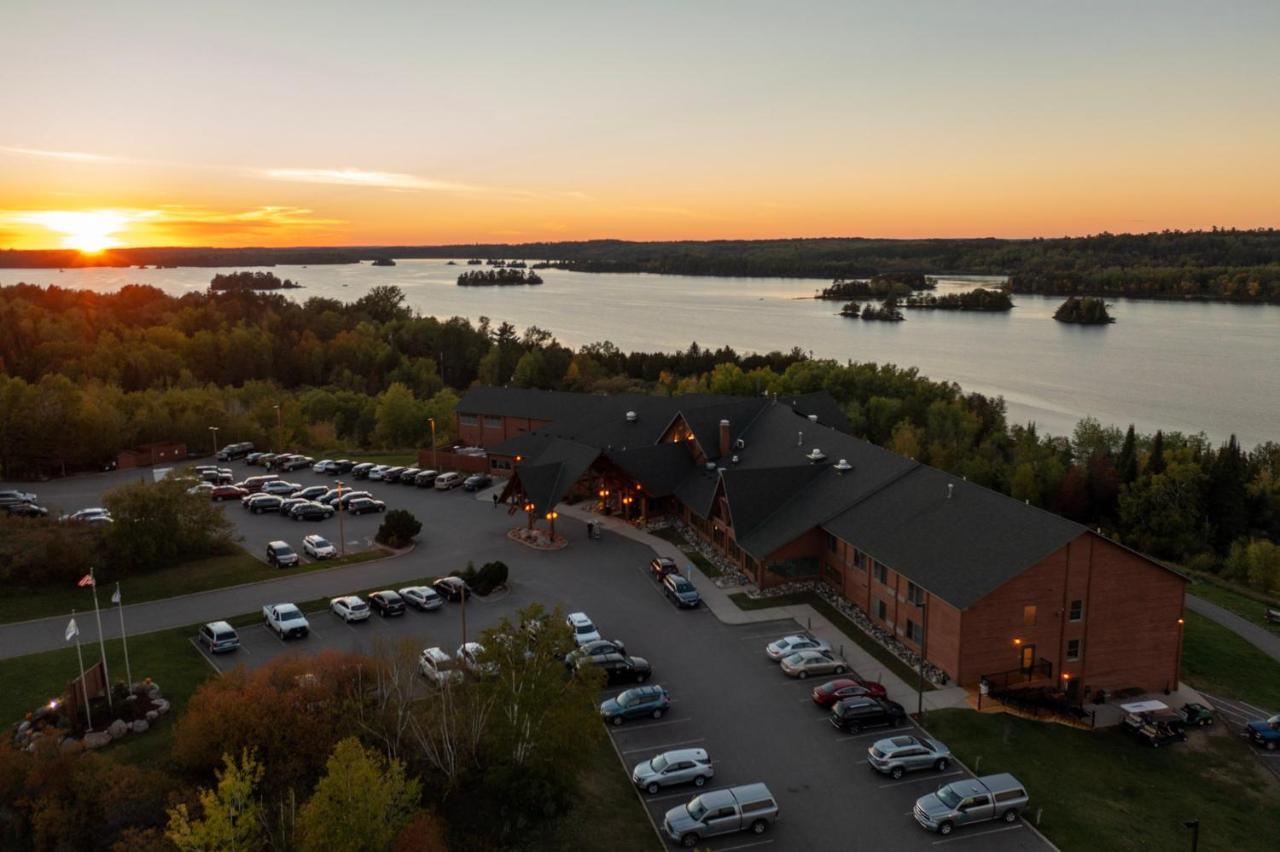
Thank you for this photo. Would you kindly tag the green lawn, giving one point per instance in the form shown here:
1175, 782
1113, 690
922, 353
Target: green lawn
201, 575
1221, 663
404, 458
1101, 790
844, 625
607, 814
703, 564
1245, 603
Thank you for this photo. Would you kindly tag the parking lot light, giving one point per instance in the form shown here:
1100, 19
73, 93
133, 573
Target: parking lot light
551, 520
214, 430
342, 536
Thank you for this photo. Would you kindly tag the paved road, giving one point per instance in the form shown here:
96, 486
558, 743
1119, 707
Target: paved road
1260, 637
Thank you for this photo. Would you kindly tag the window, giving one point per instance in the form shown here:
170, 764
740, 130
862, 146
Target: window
1029, 615
882, 573
859, 560
1073, 650
468, 420
881, 610
833, 543
1076, 613
915, 594
915, 632
493, 422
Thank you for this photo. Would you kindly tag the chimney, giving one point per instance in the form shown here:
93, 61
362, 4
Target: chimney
951, 487
724, 437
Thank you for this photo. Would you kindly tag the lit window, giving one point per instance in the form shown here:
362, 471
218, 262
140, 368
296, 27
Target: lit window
1029, 616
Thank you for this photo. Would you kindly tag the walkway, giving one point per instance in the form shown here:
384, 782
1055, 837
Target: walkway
717, 600
1256, 635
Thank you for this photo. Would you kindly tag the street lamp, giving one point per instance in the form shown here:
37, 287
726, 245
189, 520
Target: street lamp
342, 536
1194, 825
528, 507
924, 622
279, 427
434, 465
214, 430
551, 520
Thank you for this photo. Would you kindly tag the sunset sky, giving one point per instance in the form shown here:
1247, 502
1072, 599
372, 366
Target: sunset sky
272, 123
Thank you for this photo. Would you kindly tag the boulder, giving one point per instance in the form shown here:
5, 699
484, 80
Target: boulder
71, 744
152, 715
162, 706
24, 726
96, 739
118, 729
153, 691
140, 725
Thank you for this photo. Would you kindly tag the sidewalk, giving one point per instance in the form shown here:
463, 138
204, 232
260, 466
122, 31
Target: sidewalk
717, 600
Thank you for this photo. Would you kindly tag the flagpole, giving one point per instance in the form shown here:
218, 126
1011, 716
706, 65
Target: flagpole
124, 642
102, 643
84, 689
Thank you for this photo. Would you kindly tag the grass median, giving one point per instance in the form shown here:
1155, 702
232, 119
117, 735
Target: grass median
202, 575
702, 563
1102, 790
1221, 663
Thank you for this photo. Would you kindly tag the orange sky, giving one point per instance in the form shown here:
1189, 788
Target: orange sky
419, 125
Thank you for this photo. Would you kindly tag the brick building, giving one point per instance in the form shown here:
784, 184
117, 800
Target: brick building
983, 585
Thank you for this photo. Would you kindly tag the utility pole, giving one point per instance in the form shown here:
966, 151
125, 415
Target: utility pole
279, 429
342, 535
924, 622
434, 465
1194, 825
214, 430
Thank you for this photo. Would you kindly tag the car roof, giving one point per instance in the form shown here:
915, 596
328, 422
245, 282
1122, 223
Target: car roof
436, 654
1000, 782
278, 544
220, 627
893, 743
387, 593
351, 599
699, 754
578, 618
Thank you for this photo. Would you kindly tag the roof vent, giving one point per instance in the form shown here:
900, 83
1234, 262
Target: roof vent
711, 465
813, 418
843, 466
735, 459
816, 455
739, 444
951, 489
719, 470
632, 417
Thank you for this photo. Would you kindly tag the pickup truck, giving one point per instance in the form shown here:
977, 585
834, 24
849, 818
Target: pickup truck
1265, 732
286, 620
750, 807
971, 800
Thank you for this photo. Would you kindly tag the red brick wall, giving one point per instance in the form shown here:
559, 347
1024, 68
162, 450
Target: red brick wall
452, 461
485, 432
806, 546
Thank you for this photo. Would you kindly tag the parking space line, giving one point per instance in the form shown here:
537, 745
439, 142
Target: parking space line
665, 796
922, 778
744, 846
977, 834
661, 746
646, 727
201, 652
759, 635
848, 737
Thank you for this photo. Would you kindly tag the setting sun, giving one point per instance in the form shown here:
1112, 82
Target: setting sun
86, 231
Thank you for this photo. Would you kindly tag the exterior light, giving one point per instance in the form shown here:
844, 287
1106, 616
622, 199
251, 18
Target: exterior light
1066, 676
1017, 641
551, 516
1180, 621
519, 458
53, 704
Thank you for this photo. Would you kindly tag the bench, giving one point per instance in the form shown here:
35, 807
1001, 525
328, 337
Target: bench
1273, 615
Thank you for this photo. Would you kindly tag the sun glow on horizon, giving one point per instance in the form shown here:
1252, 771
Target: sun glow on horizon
86, 231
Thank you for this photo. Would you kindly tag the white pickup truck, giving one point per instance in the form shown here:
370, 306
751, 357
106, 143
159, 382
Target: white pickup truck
286, 620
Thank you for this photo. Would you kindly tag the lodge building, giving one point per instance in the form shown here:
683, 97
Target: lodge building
981, 584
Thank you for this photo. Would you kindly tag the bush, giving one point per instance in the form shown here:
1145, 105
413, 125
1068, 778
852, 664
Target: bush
490, 576
398, 528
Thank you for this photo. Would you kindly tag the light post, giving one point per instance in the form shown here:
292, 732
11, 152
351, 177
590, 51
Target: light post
434, 465
1194, 825
279, 428
342, 535
1177, 662
528, 507
551, 520
214, 430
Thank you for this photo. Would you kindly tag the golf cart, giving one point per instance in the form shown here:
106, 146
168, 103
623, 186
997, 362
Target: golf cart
1153, 723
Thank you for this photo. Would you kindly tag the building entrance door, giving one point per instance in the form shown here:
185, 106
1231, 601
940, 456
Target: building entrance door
1028, 660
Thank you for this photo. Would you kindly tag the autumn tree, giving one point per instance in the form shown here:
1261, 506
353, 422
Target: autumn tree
231, 816
360, 804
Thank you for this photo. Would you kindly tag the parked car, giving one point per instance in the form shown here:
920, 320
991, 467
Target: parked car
217, 475
583, 630
682, 766
259, 503
618, 668
421, 597
854, 714
96, 514
469, 656
972, 800
254, 484
308, 510
1265, 732
10, 497
25, 510
349, 608
365, 505
319, 547
750, 807
361, 471
227, 492
281, 555
425, 478
680, 591
231, 452
804, 663
448, 481
312, 492
347, 496
476, 481
387, 603
662, 566
218, 637
1196, 714
594, 649
375, 473
263, 460
324, 466
292, 462
407, 475
344, 465
788, 645
841, 688
287, 504
252, 459
452, 589
438, 666
897, 756
636, 703
286, 620
280, 488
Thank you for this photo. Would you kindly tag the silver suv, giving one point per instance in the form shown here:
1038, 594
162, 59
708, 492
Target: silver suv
681, 766
896, 756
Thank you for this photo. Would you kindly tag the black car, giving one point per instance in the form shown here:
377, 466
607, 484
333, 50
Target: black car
618, 668
345, 465
662, 566
332, 494
252, 458
595, 648
286, 505
264, 503
312, 492
392, 474
309, 511
387, 603
364, 505
407, 475
854, 714
426, 478
452, 588
26, 510
361, 471
476, 481
347, 496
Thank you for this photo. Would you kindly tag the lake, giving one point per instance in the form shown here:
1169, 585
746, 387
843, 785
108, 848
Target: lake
1186, 367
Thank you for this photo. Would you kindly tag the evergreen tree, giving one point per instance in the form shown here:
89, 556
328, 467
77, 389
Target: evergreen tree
1228, 499
1156, 462
1127, 464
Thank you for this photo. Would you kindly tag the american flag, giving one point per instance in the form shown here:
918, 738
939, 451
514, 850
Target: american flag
86, 581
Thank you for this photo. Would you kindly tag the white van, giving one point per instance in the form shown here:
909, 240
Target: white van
446, 481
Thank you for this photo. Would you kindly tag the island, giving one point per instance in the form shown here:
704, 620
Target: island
887, 311
383, 261
250, 281
980, 299
877, 287
497, 278
475, 261
1083, 310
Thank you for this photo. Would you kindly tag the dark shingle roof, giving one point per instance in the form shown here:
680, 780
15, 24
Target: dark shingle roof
548, 478
658, 468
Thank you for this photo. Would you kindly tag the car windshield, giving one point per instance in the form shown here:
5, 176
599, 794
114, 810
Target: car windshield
797, 659
697, 810
684, 586
586, 628
628, 698
659, 763
320, 542
948, 796
290, 615
1274, 721
284, 551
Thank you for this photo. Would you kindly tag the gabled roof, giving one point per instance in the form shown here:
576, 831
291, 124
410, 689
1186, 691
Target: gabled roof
754, 493
658, 468
548, 478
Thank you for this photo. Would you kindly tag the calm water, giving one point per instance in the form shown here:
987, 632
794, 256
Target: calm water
1187, 367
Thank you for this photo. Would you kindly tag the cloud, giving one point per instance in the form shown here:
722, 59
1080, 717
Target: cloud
362, 177
76, 156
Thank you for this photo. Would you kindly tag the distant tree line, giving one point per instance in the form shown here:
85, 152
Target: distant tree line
980, 299
87, 374
502, 276
250, 281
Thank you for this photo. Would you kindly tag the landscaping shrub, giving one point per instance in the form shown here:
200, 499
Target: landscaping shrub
490, 576
398, 528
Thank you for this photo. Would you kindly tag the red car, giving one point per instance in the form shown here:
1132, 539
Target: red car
835, 690
227, 492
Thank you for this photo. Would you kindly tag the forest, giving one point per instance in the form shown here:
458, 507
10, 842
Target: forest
1218, 264
83, 375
